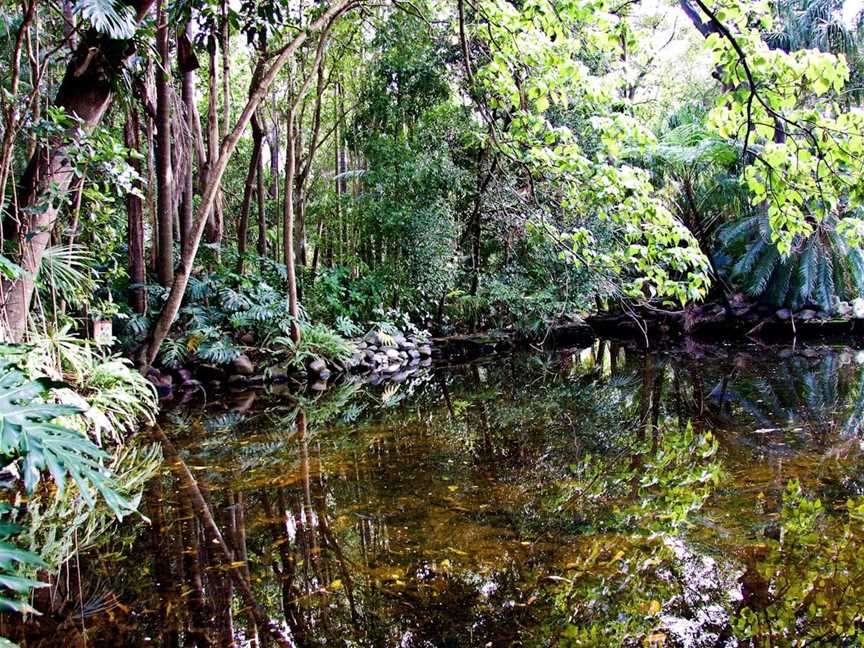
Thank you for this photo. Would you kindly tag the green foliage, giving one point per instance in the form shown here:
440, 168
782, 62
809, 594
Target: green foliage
700, 172
819, 270
812, 577
109, 16
13, 563
559, 111
219, 351
120, 398
805, 146
316, 341
173, 353
32, 443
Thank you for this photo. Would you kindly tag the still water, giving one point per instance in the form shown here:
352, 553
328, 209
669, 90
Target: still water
589, 497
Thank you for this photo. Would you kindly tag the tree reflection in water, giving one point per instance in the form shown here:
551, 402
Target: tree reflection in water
594, 497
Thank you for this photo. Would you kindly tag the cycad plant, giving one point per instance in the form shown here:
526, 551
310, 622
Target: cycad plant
821, 268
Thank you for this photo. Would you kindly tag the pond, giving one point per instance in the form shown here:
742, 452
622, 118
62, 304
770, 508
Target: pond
707, 496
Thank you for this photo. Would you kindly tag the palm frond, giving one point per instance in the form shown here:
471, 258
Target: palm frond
65, 268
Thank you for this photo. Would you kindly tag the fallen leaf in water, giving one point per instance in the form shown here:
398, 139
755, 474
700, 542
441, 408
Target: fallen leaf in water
452, 488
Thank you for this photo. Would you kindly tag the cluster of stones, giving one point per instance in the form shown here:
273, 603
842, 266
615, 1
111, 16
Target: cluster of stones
201, 377
392, 358
377, 358
842, 310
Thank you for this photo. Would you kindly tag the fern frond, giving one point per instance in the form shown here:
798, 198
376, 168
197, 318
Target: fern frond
781, 281
744, 227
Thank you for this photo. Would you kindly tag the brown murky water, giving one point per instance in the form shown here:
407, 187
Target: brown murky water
536, 500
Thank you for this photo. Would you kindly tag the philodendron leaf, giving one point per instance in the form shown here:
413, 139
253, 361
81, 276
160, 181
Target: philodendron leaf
28, 430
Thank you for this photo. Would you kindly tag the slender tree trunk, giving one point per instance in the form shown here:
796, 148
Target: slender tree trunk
164, 180
305, 170
249, 187
187, 63
262, 216
224, 45
214, 216
254, 164
273, 143
84, 93
69, 25
288, 225
175, 297
151, 195
135, 220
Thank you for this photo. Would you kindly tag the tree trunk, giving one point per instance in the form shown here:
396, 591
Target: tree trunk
135, 220
249, 187
187, 63
214, 216
273, 140
175, 297
85, 93
164, 180
305, 170
288, 225
262, 216
224, 44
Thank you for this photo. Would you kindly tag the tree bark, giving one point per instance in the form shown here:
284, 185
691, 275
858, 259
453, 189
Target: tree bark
135, 220
85, 93
187, 63
224, 44
249, 187
273, 140
164, 179
288, 225
214, 216
262, 216
305, 169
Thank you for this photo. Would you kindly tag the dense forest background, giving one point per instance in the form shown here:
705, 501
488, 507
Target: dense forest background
230, 177
206, 172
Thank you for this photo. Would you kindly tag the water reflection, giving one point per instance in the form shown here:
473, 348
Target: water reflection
597, 496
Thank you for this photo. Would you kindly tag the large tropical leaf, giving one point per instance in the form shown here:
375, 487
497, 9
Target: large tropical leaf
30, 436
109, 16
